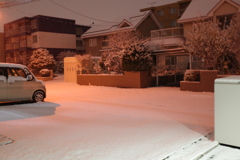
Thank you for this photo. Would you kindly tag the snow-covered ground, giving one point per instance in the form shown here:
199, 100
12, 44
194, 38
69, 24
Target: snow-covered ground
107, 123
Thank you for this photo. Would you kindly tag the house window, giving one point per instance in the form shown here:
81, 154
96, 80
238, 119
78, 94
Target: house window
161, 13
224, 21
170, 60
79, 31
79, 43
93, 42
173, 23
34, 38
173, 10
34, 24
105, 42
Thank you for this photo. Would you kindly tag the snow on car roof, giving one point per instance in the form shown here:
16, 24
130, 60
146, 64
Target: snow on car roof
11, 65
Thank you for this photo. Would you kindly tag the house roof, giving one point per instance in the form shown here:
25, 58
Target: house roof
127, 22
201, 8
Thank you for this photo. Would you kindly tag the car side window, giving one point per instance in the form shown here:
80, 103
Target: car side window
16, 72
2, 72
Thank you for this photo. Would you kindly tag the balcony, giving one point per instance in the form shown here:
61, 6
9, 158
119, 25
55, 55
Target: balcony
8, 46
23, 29
16, 31
15, 46
169, 36
23, 44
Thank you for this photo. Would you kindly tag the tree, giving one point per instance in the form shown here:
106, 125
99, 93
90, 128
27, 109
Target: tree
131, 47
85, 62
60, 57
214, 45
41, 59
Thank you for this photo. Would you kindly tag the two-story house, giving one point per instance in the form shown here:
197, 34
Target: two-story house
26, 34
215, 10
170, 58
95, 37
168, 13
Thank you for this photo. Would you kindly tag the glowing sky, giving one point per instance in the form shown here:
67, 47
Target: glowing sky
106, 10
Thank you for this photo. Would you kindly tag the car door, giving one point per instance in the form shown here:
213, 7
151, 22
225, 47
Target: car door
3, 85
18, 88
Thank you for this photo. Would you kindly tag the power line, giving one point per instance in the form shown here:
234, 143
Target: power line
20, 11
11, 3
80, 13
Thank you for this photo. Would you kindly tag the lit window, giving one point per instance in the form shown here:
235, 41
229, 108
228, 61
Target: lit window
92, 42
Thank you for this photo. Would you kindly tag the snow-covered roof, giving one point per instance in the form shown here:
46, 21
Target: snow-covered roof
127, 22
201, 8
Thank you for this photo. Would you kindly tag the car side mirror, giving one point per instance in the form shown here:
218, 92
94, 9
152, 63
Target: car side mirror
29, 77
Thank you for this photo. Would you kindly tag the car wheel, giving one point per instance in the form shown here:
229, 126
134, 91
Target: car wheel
38, 96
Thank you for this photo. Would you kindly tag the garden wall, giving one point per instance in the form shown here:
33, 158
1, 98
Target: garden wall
135, 79
205, 83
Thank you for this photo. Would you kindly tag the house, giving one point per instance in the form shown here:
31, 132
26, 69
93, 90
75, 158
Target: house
2, 52
26, 34
95, 37
170, 59
168, 12
216, 10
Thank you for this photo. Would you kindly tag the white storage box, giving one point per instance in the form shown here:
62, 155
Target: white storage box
227, 110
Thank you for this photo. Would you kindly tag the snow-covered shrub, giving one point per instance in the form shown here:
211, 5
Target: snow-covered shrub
60, 57
44, 72
64, 54
136, 58
41, 59
85, 63
192, 75
113, 63
132, 48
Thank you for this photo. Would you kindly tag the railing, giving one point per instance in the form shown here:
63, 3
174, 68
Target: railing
8, 46
167, 33
15, 45
21, 29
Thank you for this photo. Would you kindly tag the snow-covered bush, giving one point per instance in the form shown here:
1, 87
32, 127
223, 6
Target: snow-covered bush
136, 57
113, 63
41, 59
85, 63
189, 75
60, 57
64, 54
132, 48
44, 72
